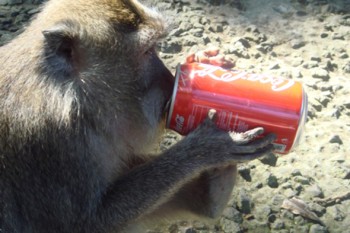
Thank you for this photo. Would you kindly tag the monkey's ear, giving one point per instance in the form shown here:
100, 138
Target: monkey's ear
61, 39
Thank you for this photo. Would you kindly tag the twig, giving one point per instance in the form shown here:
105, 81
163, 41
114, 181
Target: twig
329, 201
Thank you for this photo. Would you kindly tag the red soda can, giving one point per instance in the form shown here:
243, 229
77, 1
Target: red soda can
242, 100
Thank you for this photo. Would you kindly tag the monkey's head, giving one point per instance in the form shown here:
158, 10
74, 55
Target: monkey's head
104, 58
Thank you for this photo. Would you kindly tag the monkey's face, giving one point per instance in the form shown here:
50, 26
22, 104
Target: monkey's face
108, 54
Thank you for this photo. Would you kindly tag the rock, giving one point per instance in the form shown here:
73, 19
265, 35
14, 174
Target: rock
324, 35
336, 139
320, 74
229, 226
272, 181
297, 44
263, 211
302, 180
339, 171
278, 225
264, 47
269, 159
316, 228
344, 55
336, 213
317, 209
338, 36
310, 64
346, 68
314, 191
296, 172
274, 66
233, 214
315, 58
244, 202
244, 171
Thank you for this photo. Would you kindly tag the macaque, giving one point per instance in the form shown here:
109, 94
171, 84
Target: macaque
82, 99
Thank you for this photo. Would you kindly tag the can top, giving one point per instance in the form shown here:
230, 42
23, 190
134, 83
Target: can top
302, 121
173, 97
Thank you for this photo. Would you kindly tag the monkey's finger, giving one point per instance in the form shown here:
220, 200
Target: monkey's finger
212, 115
245, 137
258, 143
240, 158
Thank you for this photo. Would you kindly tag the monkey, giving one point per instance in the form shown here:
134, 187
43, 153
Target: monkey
83, 96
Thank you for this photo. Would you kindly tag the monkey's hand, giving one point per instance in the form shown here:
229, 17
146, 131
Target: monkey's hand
211, 56
210, 143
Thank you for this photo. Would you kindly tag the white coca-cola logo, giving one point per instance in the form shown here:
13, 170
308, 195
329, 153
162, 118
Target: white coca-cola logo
277, 83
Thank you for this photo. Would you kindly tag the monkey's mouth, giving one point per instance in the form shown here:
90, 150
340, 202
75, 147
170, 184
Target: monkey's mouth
166, 107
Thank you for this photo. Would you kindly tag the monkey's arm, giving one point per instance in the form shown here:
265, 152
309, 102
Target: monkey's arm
150, 185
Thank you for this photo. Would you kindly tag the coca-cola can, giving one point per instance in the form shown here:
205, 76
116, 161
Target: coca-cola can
242, 100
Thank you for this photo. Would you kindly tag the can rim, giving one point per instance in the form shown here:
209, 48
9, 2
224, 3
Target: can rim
173, 97
302, 121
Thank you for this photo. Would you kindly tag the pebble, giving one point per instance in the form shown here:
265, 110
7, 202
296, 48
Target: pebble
314, 191
320, 73
229, 226
336, 213
336, 139
244, 202
244, 171
278, 224
269, 159
297, 44
317, 228
272, 181
346, 68
233, 214
302, 180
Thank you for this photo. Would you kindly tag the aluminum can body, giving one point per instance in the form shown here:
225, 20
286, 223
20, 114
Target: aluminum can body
242, 100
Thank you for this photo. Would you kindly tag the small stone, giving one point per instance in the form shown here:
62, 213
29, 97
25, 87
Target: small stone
258, 185
341, 172
272, 181
269, 159
324, 35
343, 56
346, 68
274, 66
264, 211
296, 44
338, 36
290, 193
336, 213
320, 74
233, 214
315, 58
278, 225
314, 191
302, 180
271, 218
296, 172
316, 228
336, 139
317, 209
310, 64
245, 173
244, 202
229, 226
